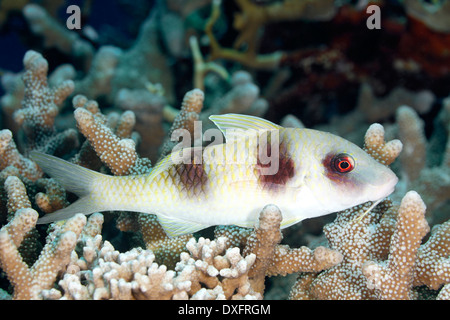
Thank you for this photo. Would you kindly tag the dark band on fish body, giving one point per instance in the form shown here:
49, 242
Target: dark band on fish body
191, 175
286, 169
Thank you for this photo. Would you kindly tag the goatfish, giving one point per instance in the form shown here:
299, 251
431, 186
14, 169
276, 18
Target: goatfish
305, 172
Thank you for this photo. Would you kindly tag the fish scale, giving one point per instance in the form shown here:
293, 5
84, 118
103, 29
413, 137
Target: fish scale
229, 183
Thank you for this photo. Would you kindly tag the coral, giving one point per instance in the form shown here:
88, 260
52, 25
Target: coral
55, 35
10, 156
434, 16
17, 195
375, 109
432, 265
54, 197
410, 128
185, 120
134, 83
376, 146
40, 107
381, 259
202, 68
207, 269
274, 259
29, 282
148, 106
430, 177
166, 250
144, 62
252, 18
392, 279
382, 253
118, 154
13, 86
97, 82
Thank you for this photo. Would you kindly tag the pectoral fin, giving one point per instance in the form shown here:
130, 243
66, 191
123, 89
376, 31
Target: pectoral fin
176, 227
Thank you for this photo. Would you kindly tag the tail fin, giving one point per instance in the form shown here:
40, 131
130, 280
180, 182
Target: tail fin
73, 178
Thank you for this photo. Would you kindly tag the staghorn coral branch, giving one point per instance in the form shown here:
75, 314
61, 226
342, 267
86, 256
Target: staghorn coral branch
253, 18
29, 282
412, 136
118, 154
185, 120
274, 259
54, 197
377, 148
10, 259
40, 103
56, 35
433, 259
166, 250
10, 156
393, 279
40, 108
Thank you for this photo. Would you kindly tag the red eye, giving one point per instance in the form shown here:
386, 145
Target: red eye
343, 163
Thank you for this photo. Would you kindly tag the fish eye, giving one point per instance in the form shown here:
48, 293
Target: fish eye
343, 163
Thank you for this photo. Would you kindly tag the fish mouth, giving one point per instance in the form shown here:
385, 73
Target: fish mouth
384, 191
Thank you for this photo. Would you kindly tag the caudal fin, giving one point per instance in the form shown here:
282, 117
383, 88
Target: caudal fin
73, 178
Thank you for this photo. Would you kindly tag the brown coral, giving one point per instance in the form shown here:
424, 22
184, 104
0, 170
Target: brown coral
426, 172
393, 279
382, 253
40, 103
10, 156
118, 154
185, 120
28, 282
253, 18
166, 250
274, 259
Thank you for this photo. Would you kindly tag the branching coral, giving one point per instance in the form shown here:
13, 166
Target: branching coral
118, 154
382, 253
10, 156
253, 18
430, 177
207, 270
185, 120
432, 266
28, 282
166, 250
393, 279
40, 107
435, 16
274, 259
378, 255
55, 35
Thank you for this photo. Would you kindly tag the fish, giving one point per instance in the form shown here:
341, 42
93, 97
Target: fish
304, 172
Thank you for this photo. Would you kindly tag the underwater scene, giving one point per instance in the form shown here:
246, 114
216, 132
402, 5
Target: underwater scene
224, 150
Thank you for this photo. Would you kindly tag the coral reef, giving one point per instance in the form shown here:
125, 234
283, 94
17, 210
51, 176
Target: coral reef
113, 95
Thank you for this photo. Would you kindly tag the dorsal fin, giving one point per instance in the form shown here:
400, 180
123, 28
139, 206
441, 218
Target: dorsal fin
184, 155
233, 121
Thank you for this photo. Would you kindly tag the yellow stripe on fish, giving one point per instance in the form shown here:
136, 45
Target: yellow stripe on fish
306, 173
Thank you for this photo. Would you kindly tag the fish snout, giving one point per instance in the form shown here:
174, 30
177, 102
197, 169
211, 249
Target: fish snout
385, 185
